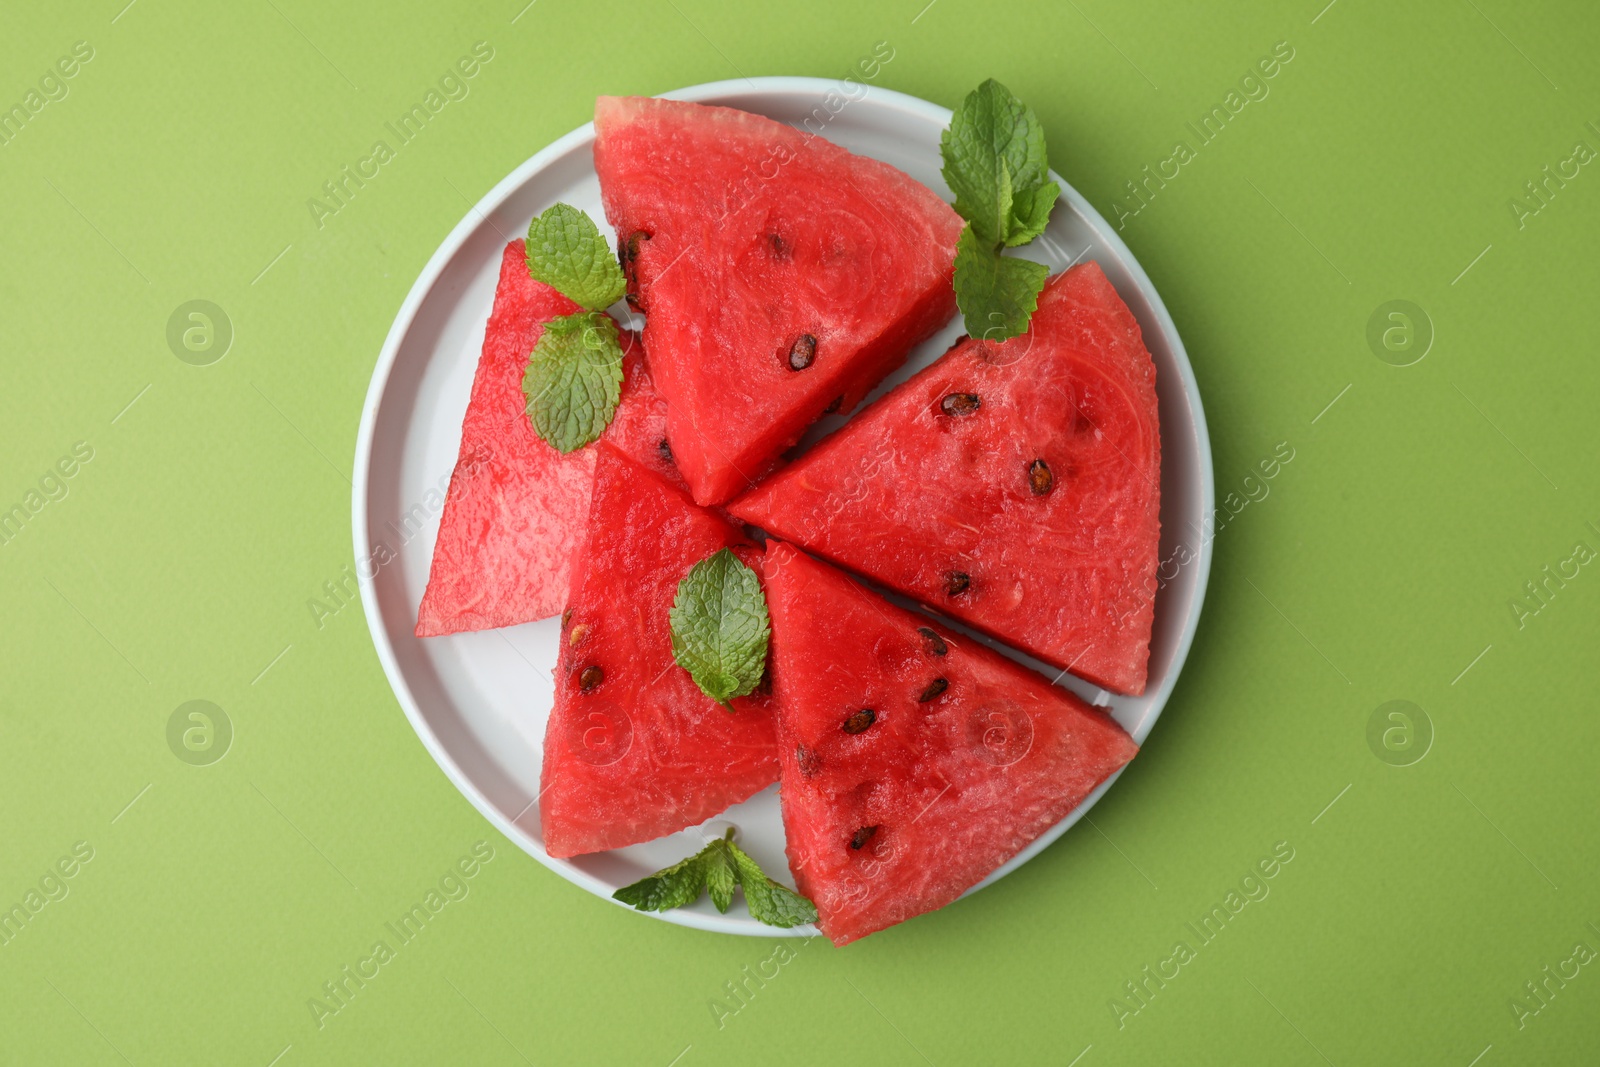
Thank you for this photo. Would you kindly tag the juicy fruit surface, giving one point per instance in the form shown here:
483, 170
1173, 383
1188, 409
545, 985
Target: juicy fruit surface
900, 793
1015, 486
516, 509
778, 274
633, 749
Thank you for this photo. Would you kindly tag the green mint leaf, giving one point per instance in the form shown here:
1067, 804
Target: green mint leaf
769, 902
1005, 196
574, 379
1030, 214
719, 867
720, 627
995, 163
567, 252
997, 294
721, 874
672, 887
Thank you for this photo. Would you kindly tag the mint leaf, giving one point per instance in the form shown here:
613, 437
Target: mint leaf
567, 252
673, 887
995, 162
574, 379
1005, 196
769, 902
997, 294
721, 874
720, 627
1030, 213
719, 867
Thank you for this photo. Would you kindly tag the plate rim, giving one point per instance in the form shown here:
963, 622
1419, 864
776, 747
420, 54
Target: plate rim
475, 217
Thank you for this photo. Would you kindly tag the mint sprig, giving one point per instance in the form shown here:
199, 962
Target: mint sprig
574, 375
574, 379
720, 627
995, 163
567, 252
717, 869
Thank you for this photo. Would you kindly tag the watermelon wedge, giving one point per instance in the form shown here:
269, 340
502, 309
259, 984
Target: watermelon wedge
915, 760
1014, 486
633, 749
516, 509
780, 275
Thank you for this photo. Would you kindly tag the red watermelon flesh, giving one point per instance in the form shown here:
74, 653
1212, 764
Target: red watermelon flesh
516, 509
1014, 486
779, 274
915, 760
633, 749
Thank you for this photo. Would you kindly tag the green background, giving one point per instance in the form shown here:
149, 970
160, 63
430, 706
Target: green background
1381, 565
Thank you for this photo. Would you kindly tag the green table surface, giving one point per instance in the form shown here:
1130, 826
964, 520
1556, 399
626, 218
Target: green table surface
1439, 910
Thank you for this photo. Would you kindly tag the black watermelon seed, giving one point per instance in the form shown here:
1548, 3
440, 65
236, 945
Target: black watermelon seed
1040, 480
956, 582
780, 247
833, 405
860, 721
566, 617
959, 405
935, 687
633, 243
665, 448
932, 642
592, 676
859, 839
802, 352
633, 302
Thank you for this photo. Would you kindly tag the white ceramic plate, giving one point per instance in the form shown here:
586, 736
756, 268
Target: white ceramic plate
479, 700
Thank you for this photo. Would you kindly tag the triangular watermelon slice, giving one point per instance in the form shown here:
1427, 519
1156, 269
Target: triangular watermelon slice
915, 760
633, 749
516, 509
1014, 486
779, 274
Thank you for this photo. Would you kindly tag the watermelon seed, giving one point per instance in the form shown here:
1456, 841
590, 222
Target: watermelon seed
860, 721
960, 405
802, 352
808, 761
579, 632
592, 676
956, 582
935, 687
665, 448
780, 248
566, 617
633, 302
833, 406
1040, 480
859, 839
932, 642
633, 244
